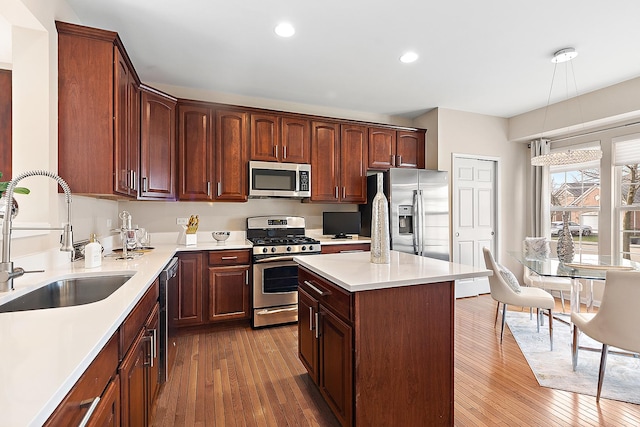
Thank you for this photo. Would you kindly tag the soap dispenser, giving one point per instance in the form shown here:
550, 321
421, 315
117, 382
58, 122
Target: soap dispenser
92, 253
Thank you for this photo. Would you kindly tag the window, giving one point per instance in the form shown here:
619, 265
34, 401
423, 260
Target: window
627, 195
576, 189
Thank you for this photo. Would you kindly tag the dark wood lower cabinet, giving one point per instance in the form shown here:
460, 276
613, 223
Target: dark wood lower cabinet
107, 414
307, 339
132, 376
229, 293
336, 361
186, 304
384, 356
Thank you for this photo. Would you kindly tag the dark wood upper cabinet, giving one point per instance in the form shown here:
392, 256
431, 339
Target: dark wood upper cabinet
195, 153
389, 148
231, 155
296, 142
5, 124
410, 149
353, 163
382, 148
98, 112
325, 162
157, 146
279, 139
338, 168
265, 137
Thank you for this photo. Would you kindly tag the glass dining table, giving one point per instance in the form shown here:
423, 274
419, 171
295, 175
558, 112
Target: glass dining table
587, 267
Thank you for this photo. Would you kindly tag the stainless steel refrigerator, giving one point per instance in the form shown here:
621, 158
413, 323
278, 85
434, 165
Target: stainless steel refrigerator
418, 211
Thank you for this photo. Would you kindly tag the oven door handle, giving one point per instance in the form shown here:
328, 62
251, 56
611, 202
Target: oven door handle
273, 259
278, 310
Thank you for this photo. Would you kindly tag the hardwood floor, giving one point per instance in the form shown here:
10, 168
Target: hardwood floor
242, 377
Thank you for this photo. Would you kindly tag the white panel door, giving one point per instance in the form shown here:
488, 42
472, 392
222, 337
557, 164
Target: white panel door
474, 218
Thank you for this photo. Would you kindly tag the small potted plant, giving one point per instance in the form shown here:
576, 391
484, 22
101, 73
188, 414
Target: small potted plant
3, 187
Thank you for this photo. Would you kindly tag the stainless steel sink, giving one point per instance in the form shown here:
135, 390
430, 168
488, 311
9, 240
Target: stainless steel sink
67, 292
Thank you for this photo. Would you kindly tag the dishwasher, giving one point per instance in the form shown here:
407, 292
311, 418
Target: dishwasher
168, 279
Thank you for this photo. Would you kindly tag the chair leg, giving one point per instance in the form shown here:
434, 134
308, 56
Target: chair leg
551, 328
497, 311
562, 301
530, 313
603, 364
504, 318
538, 320
575, 345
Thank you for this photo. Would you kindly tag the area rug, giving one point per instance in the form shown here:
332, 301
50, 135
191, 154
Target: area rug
553, 368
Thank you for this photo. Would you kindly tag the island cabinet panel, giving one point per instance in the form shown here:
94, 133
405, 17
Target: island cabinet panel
157, 147
186, 305
404, 355
107, 413
384, 356
410, 149
231, 155
195, 153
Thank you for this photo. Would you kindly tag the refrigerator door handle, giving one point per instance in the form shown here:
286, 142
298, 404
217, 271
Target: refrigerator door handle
416, 223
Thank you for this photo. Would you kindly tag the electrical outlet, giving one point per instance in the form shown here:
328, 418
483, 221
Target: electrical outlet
109, 223
182, 221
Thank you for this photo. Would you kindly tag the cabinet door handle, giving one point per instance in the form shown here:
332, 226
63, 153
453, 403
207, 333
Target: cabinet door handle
344, 192
311, 318
227, 258
93, 405
246, 278
132, 179
144, 184
154, 344
275, 149
284, 151
399, 160
336, 192
208, 188
317, 325
393, 160
321, 293
150, 355
219, 189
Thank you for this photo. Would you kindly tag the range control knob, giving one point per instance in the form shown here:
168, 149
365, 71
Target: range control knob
273, 249
310, 247
288, 248
264, 250
304, 248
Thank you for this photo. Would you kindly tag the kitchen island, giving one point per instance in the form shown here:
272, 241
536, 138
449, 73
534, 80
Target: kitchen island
378, 338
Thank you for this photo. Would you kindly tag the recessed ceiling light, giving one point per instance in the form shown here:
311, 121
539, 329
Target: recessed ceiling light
409, 57
285, 29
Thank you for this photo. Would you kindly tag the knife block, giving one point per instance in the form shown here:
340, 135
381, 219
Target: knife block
188, 239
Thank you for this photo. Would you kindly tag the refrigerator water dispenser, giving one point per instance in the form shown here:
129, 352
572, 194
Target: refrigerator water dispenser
405, 219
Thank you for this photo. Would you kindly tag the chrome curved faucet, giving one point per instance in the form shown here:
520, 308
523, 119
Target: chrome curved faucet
7, 272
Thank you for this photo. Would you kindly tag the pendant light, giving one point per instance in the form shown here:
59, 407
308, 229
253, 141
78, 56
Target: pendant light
569, 156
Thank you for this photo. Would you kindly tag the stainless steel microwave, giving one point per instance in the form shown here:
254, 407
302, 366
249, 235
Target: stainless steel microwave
271, 179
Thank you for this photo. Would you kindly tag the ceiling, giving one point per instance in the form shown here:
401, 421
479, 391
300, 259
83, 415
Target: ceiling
483, 57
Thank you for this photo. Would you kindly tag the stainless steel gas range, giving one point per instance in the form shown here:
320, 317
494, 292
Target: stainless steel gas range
276, 240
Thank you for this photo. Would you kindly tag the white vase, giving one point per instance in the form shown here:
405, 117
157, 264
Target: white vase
380, 243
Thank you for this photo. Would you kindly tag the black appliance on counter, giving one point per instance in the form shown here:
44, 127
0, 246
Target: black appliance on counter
276, 240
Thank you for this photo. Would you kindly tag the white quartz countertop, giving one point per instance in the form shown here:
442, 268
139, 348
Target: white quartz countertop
44, 352
354, 272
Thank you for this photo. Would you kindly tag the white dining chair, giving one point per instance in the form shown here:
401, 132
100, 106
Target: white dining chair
504, 293
615, 323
